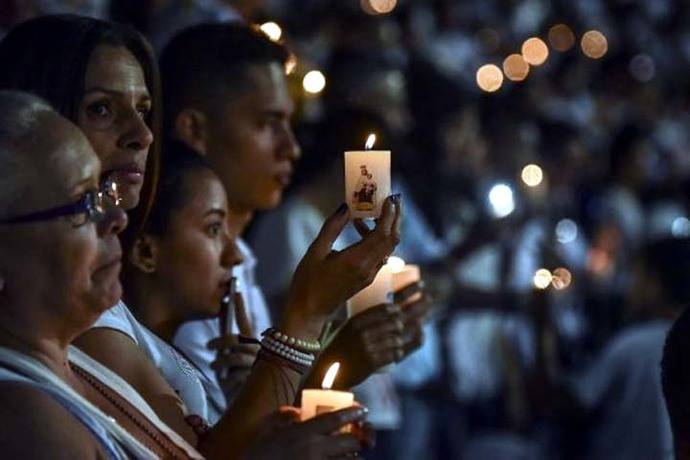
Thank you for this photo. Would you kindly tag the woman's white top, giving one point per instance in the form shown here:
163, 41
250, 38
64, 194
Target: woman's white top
177, 371
115, 440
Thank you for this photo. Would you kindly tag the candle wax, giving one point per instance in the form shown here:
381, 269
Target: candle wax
315, 402
378, 292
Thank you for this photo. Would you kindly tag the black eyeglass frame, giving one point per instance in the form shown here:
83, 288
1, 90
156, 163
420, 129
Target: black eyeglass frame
91, 205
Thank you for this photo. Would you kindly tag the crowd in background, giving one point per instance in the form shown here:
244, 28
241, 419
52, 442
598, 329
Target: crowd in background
512, 367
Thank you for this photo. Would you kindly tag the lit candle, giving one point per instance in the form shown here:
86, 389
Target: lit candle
315, 402
378, 292
404, 274
367, 180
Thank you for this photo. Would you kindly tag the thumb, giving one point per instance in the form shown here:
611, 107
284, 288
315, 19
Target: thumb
244, 324
330, 231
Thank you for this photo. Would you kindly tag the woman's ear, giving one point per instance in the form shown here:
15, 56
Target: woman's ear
191, 127
144, 254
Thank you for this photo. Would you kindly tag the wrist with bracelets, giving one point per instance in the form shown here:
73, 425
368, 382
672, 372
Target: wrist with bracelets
305, 346
288, 351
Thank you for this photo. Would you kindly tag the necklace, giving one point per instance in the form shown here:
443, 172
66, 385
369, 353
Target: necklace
102, 389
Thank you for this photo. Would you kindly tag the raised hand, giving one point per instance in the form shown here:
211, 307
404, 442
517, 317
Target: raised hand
326, 278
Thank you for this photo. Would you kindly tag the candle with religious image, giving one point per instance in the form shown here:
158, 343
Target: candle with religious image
315, 402
378, 292
367, 180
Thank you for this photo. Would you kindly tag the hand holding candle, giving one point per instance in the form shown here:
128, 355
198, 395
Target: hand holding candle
367, 180
315, 402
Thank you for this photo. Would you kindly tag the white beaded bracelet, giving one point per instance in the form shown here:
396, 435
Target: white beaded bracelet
287, 353
281, 346
298, 344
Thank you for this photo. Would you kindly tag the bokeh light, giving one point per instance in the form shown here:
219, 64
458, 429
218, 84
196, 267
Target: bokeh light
535, 51
594, 44
532, 175
378, 6
542, 278
272, 30
515, 67
501, 200
489, 78
314, 82
561, 278
680, 228
566, 231
561, 37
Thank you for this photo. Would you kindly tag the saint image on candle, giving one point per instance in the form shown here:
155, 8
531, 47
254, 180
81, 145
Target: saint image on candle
364, 198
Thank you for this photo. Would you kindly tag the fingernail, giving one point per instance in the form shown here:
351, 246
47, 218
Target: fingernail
396, 198
342, 208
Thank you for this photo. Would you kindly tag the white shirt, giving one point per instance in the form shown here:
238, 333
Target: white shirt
624, 383
193, 336
176, 370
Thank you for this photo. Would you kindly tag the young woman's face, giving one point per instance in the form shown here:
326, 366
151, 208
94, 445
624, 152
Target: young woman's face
113, 114
197, 251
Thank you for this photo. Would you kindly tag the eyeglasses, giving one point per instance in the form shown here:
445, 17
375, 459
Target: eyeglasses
91, 207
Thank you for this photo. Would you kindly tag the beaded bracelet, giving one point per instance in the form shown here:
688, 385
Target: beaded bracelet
306, 346
281, 346
287, 352
285, 358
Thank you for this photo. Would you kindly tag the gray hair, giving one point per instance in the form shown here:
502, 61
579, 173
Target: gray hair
22, 116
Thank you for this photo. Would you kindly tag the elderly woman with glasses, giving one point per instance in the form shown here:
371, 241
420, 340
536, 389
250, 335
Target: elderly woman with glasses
59, 267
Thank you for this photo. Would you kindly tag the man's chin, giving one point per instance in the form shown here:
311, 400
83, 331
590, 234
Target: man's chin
270, 201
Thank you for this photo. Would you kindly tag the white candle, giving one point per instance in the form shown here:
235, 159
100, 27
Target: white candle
367, 180
315, 402
404, 274
378, 292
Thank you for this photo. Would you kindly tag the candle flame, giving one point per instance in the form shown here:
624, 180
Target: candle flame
396, 264
370, 141
330, 376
